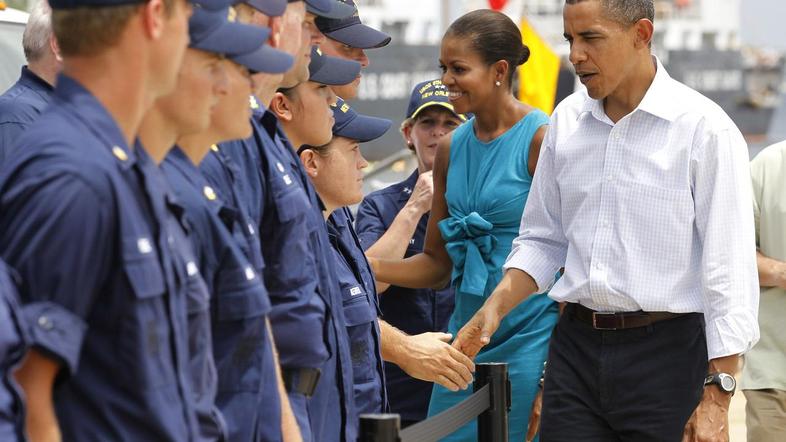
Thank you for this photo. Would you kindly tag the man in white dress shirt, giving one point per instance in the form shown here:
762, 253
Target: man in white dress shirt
643, 194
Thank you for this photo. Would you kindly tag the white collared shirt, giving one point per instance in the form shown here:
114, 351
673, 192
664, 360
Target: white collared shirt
652, 213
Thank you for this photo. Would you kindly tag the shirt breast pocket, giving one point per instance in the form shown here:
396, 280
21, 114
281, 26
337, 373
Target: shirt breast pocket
144, 333
360, 315
239, 330
291, 203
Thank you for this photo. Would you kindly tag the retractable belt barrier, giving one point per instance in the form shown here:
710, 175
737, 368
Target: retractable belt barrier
489, 403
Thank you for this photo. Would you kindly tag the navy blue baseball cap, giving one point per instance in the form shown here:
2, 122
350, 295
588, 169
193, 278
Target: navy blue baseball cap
351, 31
264, 59
271, 8
217, 31
427, 94
331, 71
328, 8
213, 5
362, 128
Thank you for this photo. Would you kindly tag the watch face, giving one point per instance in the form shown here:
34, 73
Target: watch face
727, 382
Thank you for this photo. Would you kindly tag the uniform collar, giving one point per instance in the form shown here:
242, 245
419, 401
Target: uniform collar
269, 122
85, 107
33, 81
180, 161
658, 100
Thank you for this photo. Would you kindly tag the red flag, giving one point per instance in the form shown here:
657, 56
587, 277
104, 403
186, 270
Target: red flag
497, 5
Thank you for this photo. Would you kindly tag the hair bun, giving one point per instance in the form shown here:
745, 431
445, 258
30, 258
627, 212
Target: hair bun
524, 55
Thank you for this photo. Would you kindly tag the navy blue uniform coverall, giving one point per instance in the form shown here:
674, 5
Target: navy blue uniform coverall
299, 278
413, 311
239, 305
83, 221
20, 105
361, 310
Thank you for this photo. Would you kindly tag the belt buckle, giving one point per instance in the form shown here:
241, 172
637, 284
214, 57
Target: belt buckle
602, 315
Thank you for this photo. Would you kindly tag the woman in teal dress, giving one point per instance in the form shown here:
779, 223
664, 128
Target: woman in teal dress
482, 177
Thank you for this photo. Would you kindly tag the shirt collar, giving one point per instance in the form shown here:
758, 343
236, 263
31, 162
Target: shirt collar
179, 160
658, 100
33, 81
85, 107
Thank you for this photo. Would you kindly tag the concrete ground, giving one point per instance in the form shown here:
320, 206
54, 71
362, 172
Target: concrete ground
737, 418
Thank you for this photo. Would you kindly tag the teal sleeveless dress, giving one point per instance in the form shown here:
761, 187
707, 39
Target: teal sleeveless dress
487, 187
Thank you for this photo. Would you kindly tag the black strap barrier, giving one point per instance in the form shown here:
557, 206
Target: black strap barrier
489, 403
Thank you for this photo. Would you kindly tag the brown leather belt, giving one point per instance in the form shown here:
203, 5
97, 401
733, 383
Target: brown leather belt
619, 320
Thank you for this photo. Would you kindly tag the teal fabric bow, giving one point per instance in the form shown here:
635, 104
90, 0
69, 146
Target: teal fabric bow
469, 244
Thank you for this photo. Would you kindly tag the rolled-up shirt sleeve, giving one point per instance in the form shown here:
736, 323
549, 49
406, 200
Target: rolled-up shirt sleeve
541, 247
725, 226
56, 233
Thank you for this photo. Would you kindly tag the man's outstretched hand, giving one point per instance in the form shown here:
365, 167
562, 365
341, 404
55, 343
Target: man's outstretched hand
477, 333
429, 357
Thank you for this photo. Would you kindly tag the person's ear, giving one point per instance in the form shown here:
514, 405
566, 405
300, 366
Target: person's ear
54, 46
644, 30
500, 69
153, 14
275, 32
406, 132
310, 161
281, 107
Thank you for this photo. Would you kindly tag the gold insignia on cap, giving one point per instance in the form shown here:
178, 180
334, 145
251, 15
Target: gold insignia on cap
231, 15
214, 147
252, 102
344, 108
209, 193
119, 153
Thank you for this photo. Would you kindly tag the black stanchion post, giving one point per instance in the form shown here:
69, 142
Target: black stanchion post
379, 428
493, 423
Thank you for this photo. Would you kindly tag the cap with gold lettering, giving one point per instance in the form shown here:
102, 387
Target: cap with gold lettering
427, 94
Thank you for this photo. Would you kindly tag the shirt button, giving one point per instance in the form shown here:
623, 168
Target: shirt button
617, 136
45, 323
609, 178
170, 240
598, 266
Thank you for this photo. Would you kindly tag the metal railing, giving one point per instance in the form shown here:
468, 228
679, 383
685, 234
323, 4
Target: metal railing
489, 404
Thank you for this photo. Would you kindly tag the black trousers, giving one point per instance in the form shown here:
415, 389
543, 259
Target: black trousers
624, 385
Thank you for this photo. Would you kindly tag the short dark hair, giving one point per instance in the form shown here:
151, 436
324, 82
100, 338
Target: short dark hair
88, 30
494, 36
625, 12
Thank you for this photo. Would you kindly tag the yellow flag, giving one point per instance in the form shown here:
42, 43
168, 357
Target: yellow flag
538, 76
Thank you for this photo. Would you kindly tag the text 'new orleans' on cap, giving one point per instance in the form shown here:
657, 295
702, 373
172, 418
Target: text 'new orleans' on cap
427, 94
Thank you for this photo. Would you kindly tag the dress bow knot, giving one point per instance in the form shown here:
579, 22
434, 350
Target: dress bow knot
469, 244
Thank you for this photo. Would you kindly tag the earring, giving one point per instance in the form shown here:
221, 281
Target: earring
498, 83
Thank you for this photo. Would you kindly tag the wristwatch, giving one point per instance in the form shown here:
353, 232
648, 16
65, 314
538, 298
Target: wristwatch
724, 381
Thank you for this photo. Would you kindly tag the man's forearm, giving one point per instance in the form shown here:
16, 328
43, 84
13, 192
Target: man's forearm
392, 342
772, 273
36, 376
515, 286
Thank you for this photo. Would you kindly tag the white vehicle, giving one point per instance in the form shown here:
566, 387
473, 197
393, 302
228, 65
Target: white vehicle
12, 58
